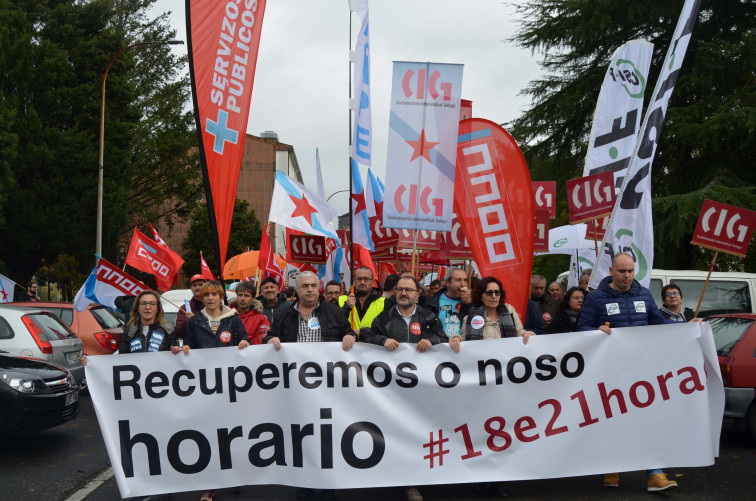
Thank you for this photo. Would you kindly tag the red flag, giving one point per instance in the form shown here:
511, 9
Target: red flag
441, 273
223, 39
177, 261
147, 256
205, 268
266, 262
494, 209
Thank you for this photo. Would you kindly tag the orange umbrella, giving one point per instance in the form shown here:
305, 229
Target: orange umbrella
244, 265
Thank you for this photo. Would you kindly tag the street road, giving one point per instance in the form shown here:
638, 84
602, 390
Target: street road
60, 464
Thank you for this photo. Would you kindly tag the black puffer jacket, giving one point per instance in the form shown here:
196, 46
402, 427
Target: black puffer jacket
390, 325
270, 312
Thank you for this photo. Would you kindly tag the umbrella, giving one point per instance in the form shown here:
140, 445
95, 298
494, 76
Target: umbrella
244, 265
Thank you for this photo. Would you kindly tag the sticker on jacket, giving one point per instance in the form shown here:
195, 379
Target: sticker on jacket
640, 306
612, 309
477, 322
156, 339
453, 325
314, 323
136, 344
415, 329
225, 337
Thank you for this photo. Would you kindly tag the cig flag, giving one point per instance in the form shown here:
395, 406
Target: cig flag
631, 226
105, 284
618, 111
422, 145
223, 39
362, 139
299, 208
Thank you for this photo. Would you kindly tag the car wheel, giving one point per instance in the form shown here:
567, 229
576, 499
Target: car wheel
751, 421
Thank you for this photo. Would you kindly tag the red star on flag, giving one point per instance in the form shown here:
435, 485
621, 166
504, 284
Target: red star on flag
5, 295
303, 208
360, 199
421, 147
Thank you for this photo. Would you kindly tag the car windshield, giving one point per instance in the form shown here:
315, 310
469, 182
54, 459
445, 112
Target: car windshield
106, 319
727, 332
51, 326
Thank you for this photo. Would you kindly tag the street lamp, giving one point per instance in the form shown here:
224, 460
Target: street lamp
102, 133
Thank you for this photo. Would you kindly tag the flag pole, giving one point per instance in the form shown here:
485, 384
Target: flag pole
706, 284
349, 110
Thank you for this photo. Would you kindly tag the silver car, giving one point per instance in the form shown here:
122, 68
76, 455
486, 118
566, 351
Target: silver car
41, 334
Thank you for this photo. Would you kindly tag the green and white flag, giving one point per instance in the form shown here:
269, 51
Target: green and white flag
630, 227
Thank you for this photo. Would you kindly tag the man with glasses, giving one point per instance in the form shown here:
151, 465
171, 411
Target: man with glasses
408, 322
30, 294
450, 304
365, 304
332, 292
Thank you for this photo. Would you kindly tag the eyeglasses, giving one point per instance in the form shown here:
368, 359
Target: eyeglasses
363, 279
148, 303
492, 293
672, 294
399, 290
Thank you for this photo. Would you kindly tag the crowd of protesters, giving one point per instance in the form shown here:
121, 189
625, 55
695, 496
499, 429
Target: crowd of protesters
401, 310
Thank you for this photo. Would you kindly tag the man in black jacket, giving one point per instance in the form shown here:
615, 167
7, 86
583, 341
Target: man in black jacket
310, 320
407, 322
273, 302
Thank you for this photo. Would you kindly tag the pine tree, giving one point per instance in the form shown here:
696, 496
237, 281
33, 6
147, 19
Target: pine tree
707, 147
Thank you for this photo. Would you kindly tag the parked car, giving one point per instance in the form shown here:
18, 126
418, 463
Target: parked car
35, 395
735, 340
34, 332
98, 328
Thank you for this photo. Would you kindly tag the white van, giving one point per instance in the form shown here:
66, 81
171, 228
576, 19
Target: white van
727, 292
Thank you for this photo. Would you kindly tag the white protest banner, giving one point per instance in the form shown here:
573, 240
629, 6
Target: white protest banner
631, 226
313, 415
618, 111
422, 146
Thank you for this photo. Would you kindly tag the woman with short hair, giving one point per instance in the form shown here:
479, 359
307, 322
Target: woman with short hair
673, 308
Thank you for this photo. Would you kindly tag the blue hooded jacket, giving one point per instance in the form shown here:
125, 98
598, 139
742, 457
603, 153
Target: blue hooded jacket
633, 308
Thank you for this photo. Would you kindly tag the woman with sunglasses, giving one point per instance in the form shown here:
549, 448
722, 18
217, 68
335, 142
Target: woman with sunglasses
569, 309
673, 308
490, 317
147, 330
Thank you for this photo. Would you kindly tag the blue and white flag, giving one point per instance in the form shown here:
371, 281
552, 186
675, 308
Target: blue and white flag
299, 208
6, 289
105, 284
362, 136
360, 220
374, 195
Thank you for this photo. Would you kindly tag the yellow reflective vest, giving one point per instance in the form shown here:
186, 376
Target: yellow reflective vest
374, 309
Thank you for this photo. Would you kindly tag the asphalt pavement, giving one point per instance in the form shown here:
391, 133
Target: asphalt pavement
69, 463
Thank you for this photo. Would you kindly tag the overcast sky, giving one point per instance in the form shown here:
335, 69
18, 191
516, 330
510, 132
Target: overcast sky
301, 89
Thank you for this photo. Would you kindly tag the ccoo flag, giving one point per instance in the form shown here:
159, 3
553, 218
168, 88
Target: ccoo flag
105, 284
223, 39
299, 208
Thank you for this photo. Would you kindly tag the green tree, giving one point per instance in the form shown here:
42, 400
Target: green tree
246, 231
53, 56
707, 145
